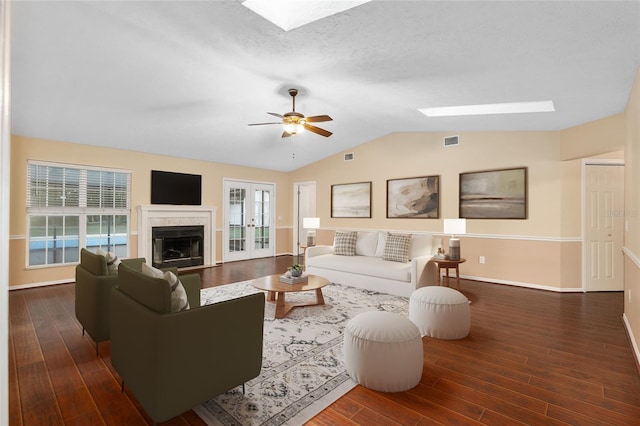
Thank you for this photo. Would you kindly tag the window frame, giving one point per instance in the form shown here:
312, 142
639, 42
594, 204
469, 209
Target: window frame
82, 211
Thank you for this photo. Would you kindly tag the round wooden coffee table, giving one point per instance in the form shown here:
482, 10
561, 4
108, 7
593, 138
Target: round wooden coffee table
276, 291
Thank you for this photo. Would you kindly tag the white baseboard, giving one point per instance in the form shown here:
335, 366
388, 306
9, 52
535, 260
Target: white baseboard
40, 284
634, 344
527, 285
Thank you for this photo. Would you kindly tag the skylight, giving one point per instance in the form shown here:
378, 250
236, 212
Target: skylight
290, 14
484, 109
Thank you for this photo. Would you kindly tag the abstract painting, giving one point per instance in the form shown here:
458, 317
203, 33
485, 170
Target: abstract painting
351, 200
494, 194
417, 197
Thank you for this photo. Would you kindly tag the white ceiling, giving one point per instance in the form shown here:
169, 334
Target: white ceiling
184, 78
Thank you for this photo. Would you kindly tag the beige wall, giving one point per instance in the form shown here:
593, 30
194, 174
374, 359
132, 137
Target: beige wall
632, 216
530, 252
542, 251
140, 164
594, 138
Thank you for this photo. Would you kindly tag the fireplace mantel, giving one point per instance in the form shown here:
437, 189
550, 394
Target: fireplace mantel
169, 215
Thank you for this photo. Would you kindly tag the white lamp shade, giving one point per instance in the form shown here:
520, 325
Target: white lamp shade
311, 222
455, 226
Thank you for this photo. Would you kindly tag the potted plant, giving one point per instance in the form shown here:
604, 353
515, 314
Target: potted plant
295, 270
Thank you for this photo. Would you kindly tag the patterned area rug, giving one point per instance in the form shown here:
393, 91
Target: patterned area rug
302, 369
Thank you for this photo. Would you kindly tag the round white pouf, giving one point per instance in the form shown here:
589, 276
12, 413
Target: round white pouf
383, 351
440, 312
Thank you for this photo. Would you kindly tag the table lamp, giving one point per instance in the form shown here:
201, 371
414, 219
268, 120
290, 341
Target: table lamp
455, 227
311, 223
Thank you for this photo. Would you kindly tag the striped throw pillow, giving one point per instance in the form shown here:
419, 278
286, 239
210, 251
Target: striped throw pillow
396, 249
344, 243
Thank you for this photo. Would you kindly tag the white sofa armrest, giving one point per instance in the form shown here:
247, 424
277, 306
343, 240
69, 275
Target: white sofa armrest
423, 271
318, 251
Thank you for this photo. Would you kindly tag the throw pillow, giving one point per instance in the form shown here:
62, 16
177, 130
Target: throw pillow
111, 259
179, 301
396, 248
382, 241
344, 243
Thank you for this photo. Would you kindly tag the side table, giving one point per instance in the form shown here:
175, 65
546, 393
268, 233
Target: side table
447, 264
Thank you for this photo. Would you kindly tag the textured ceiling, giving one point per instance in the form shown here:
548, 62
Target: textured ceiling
184, 78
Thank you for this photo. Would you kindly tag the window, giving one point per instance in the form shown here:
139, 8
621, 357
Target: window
69, 207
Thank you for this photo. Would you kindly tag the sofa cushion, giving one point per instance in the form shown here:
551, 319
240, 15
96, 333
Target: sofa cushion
111, 259
366, 243
396, 248
363, 265
382, 241
344, 243
179, 300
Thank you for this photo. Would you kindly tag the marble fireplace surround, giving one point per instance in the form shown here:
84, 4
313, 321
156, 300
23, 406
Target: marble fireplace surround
169, 215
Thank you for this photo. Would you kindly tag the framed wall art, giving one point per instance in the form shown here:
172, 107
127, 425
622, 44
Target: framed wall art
415, 198
494, 194
351, 200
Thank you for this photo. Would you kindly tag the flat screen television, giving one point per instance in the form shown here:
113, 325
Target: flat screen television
176, 188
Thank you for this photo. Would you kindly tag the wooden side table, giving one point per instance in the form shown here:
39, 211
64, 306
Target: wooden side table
447, 264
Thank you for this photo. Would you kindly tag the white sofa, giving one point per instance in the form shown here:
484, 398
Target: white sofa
368, 270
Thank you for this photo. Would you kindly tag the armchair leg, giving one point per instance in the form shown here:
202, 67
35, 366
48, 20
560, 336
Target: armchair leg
83, 331
97, 353
243, 388
122, 387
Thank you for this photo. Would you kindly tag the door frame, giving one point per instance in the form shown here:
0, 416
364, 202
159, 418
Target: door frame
225, 228
585, 163
304, 205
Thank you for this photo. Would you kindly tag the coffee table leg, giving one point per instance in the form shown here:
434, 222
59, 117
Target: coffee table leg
319, 297
271, 296
280, 308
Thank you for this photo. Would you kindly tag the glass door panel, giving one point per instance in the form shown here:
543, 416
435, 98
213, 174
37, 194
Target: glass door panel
248, 220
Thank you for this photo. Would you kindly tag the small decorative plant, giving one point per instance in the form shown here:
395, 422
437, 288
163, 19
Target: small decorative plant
295, 270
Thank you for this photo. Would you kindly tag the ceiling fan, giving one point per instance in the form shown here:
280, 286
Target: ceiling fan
293, 122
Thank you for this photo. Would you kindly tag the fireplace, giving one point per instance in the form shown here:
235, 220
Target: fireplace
178, 246
169, 216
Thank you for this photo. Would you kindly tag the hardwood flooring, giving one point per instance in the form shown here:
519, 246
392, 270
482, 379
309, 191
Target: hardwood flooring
532, 357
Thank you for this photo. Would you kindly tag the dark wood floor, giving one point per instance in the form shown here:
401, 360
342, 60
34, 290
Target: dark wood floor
532, 357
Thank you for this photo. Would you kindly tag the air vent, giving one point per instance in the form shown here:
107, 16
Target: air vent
451, 141
349, 156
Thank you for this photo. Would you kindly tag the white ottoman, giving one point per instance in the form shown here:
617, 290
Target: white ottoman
383, 351
440, 312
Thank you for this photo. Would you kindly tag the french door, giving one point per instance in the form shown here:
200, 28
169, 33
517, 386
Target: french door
248, 229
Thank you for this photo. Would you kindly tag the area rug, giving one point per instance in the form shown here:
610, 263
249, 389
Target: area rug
302, 368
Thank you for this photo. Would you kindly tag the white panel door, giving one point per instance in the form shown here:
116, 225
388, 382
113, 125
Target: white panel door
604, 221
248, 229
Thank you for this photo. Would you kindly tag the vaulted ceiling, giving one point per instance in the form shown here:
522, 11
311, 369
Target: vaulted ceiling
184, 78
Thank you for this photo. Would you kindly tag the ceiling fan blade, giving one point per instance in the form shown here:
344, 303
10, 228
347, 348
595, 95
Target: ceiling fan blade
318, 130
275, 114
318, 118
262, 124
286, 134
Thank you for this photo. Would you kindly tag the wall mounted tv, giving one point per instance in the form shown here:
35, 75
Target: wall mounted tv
176, 188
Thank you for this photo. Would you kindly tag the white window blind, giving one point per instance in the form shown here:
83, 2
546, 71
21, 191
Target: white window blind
69, 207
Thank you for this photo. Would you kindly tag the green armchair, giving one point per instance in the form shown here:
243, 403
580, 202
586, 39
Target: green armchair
172, 362
93, 294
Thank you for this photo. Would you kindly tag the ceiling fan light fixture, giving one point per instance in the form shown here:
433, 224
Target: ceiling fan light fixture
293, 128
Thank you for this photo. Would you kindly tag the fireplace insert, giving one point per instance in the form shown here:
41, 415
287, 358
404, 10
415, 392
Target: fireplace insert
178, 246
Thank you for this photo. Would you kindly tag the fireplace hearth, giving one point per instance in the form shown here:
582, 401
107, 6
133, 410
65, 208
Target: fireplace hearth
178, 246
